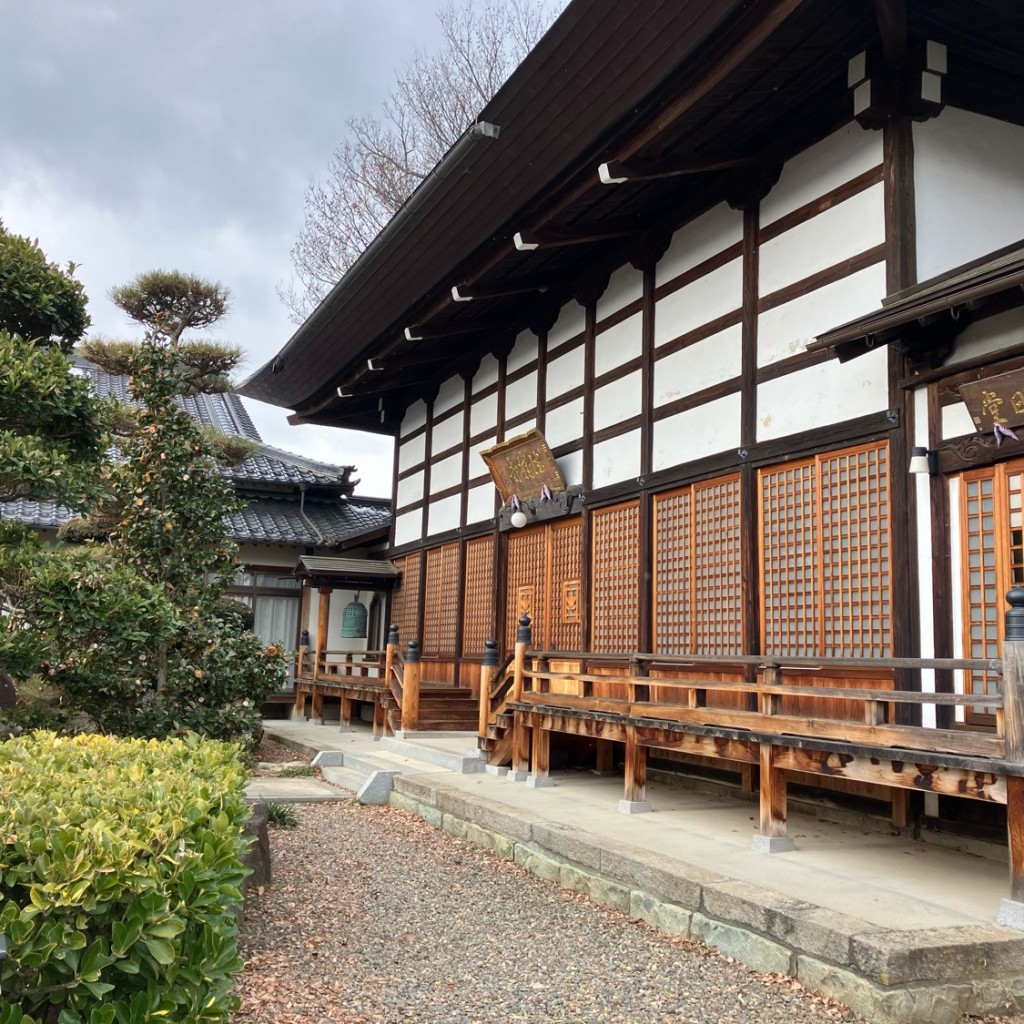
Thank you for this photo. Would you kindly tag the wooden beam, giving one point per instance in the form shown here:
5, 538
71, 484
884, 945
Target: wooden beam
618, 172
891, 16
528, 241
923, 778
472, 292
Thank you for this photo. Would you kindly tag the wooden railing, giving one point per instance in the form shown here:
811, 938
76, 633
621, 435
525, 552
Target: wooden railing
760, 710
498, 683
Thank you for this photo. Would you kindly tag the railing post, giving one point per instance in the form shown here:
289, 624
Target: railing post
487, 667
411, 688
772, 837
300, 669
1011, 911
524, 638
389, 652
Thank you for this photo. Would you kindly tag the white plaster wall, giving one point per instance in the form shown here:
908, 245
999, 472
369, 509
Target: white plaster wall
444, 515
414, 418
447, 433
410, 489
618, 344
446, 473
412, 453
334, 640
564, 424
407, 527
450, 394
523, 352
700, 302
821, 168
698, 366
1003, 331
626, 285
565, 372
572, 318
696, 433
476, 463
956, 421
699, 240
480, 504
818, 395
969, 188
617, 459
265, 554
841, 231
483, 415
922, 485
486, 375
617, 401
787, 330
521, 396
571, 466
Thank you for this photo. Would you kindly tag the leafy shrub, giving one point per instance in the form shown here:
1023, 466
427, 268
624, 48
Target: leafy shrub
119, 876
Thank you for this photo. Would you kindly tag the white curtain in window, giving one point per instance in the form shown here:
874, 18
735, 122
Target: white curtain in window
277, 622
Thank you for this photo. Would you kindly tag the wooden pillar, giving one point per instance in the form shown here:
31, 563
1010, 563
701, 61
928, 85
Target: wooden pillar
605, 757
520, 748
411, 688
487, 667
635, 799
346, 712
773, 838
323, 618
378, 718
541, 755
1011, 911
317, 705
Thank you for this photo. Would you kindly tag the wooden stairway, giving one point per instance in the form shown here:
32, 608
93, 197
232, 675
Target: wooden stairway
498, 742
443, 708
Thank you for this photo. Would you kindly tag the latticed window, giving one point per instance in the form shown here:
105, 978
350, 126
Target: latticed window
698, 592
616, 577
440, 602
992, 561
825, 560
544, 583
478, 600
405, 600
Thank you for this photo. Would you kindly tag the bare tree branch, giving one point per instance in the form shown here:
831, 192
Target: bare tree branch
386, 155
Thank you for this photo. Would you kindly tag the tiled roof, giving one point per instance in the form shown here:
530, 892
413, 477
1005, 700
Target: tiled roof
326, 517
285, 520
227, 413
40, 515
265, 519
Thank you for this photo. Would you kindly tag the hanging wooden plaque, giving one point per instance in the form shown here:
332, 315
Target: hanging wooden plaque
995, 400
522, 466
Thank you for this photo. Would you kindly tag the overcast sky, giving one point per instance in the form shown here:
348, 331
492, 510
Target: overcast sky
181, 134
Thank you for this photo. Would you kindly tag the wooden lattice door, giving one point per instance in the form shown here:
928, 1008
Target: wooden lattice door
543, 582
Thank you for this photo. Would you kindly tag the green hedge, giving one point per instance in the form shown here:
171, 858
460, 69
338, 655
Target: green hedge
120, 873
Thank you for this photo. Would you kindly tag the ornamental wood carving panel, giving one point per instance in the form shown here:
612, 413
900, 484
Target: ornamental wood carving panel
565, 627
673, 574
441, 600
615, 574
478, 603
404, 603
854, 544
527, 583
790, 619
716, 559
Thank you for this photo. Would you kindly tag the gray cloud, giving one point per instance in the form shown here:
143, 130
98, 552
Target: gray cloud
182, 133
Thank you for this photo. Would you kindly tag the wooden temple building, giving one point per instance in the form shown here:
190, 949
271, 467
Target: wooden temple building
704, 354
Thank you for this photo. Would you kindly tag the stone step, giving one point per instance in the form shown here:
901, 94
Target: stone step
465, 760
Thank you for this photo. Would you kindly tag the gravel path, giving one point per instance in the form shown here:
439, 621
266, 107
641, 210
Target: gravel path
376, 916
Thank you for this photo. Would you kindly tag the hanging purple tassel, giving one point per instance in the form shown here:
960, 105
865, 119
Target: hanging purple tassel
999, 431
